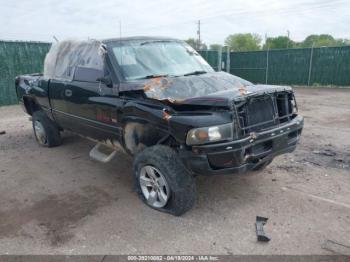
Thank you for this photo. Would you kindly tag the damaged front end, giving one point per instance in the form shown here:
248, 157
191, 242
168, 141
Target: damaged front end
231, 126
219, 123
264, 126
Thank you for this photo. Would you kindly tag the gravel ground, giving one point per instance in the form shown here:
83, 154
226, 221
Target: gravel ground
58, 201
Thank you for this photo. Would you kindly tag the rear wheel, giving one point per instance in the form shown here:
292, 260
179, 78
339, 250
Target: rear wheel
162, 180
46, 131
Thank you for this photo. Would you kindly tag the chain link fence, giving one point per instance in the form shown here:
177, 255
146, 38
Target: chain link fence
304, 66
18, 58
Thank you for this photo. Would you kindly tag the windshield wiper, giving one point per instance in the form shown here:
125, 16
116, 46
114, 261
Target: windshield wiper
198, 72
153, 76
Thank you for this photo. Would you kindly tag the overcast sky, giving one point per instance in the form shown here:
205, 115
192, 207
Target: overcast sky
41, 19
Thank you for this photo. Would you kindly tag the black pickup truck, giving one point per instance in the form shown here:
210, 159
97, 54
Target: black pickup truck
160, 101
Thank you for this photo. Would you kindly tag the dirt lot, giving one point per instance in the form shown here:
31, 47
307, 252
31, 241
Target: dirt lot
59, 201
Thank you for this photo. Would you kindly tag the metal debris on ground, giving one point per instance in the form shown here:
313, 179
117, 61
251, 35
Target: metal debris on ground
326, 152
259, 225
328, 156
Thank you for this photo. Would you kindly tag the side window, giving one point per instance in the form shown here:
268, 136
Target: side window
70, 60
87, 63
86, 74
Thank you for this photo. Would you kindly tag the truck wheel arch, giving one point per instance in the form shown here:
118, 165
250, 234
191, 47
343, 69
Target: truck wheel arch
138, 135
31, 105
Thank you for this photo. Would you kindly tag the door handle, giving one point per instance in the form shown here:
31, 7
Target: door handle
68, 92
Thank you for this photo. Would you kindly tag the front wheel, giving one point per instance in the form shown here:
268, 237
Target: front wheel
162, 180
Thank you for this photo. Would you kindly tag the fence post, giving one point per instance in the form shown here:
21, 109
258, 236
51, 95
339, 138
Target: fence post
267, 65
310, 64
228, 62
219, 58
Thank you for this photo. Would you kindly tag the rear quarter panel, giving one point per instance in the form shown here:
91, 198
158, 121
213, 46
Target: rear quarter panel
33, 89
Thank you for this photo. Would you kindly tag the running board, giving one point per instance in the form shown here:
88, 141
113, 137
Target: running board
97, 155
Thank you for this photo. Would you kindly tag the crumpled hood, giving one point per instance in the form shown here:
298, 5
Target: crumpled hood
209, 88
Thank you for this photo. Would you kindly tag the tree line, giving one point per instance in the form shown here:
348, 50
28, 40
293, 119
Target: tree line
253, 42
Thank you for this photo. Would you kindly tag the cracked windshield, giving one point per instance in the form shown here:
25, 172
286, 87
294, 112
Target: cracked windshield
148, 59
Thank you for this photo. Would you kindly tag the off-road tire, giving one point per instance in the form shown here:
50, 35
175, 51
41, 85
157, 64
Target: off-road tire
180, 181
53, 137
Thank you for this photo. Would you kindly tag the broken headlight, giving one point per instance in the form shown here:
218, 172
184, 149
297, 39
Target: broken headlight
203, 135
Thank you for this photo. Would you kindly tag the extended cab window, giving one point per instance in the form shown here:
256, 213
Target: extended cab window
69, 58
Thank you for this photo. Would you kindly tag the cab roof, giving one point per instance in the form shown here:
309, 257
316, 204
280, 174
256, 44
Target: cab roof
146, 38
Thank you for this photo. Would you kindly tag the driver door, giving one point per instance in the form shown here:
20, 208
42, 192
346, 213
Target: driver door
92, 105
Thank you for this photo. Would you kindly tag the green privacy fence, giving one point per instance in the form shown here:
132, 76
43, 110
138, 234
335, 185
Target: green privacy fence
18, 58
304, 66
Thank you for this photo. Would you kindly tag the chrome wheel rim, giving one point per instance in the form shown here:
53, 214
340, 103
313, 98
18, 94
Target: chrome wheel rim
154, 187
40, 133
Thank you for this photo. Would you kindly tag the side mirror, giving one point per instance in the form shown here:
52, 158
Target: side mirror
106, 80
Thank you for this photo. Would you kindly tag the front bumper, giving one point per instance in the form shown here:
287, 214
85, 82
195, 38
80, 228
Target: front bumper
244, 154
